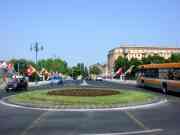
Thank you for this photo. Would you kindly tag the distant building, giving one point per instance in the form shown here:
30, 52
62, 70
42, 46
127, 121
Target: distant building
138, 52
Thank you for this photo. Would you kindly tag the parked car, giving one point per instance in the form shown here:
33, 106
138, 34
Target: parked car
18, 83
99, 78
56, 80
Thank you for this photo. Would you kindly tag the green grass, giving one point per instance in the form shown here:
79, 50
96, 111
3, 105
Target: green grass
42, 98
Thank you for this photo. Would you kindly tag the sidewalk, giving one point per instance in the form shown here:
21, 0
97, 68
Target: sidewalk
31, 84
132, 82
40, 83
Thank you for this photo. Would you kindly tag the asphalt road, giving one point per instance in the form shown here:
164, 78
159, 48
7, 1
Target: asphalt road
160, 120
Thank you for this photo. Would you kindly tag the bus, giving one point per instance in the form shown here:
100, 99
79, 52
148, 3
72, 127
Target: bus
161, 76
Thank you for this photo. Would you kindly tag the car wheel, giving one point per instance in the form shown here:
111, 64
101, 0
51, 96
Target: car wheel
7, 90
15, 89
25, 88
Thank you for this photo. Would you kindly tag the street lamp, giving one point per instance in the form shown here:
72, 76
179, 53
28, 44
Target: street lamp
36, 47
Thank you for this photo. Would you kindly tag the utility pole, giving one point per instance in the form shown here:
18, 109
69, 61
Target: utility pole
36, 48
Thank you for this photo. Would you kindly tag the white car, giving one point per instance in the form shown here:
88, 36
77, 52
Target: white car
99, 78
69, 78
56, 80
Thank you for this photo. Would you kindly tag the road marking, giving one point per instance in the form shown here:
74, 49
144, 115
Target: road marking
34, 123
83, 109
131, 133
84, 83
138, 122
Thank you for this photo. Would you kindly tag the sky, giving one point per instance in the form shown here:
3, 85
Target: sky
85, 30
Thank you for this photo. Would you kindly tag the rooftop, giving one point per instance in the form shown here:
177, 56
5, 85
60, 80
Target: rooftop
143, 47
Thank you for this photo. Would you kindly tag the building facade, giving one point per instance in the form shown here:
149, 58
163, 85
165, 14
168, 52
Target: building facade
137, 52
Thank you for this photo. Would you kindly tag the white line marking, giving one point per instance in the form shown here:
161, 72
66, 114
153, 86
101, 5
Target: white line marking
138, 122
84, 83
131, 133
84, 110
34, 123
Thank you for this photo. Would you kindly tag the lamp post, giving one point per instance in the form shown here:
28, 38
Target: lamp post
36, 48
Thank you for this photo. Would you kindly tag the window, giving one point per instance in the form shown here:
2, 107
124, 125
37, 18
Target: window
171, 74
163, 73
176, 74
152, 73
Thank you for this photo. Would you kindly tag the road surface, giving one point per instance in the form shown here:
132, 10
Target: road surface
160, 120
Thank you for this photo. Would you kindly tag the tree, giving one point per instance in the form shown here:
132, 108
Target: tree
135, 63
155, 59
121, 62
85, 72
175, 57
21, 65
54, 65
75, 72
95, 70
127, 65
79, 69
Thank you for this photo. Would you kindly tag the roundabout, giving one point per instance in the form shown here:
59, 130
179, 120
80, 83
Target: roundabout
145, 117
82, 99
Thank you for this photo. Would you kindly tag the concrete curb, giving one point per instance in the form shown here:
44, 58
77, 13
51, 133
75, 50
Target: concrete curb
3, 102
121, 81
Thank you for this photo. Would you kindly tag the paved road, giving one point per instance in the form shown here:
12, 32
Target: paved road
160, 120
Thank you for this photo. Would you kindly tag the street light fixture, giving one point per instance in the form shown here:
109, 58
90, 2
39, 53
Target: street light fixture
36, 47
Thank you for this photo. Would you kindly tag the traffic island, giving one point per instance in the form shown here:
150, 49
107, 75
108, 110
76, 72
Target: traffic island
82, 98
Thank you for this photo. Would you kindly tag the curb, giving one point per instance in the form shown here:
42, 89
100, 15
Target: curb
122, 82
149, 105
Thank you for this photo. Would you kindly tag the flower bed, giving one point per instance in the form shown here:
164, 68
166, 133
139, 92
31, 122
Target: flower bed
83, 92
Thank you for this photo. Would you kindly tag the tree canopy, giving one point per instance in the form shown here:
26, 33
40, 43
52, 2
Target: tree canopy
20, 65
95, 70
53, 65
79, 69
155, 59
125, 64
121, 62
175, 57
